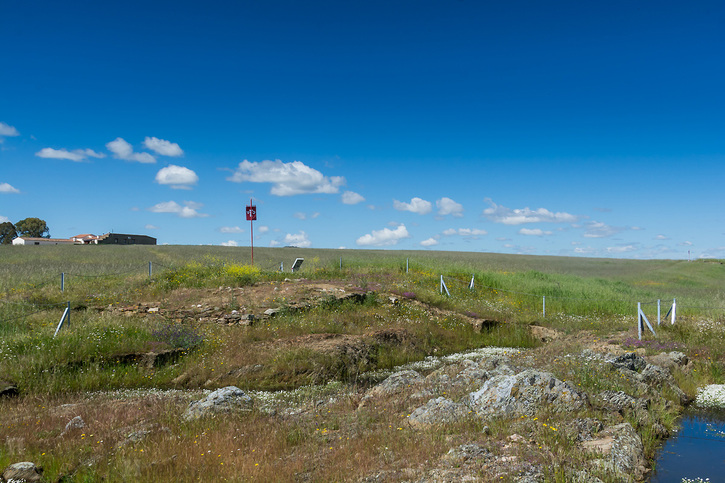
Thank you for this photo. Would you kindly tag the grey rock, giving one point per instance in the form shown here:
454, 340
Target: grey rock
461, 454
24, 471
394, 384
619, 401
75, 423
222, 400
630, 361
627, 452
525, 394
437, 411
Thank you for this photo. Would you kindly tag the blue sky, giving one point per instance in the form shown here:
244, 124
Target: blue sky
551, 128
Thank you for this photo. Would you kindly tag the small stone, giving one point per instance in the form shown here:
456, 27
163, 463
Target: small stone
24, 471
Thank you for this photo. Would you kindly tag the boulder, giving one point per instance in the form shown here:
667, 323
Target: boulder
525, 394
25, 471
394, 384
436, 412
75, 423
622, 448
619, 401
222, 400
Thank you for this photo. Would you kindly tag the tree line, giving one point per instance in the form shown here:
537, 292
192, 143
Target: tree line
30, 227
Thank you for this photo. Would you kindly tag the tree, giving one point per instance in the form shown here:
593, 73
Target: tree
7, 233
33, 227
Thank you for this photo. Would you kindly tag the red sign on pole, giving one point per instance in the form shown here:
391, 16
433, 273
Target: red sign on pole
251, 213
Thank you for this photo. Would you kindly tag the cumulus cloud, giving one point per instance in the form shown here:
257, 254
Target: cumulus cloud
429, 242
303, 216
447, 206
4, 219
508, 216
231, 229
352, 198
662, 237
7, 131
384, 237
299, 240
77, 155
123, 150
596, 229
178, 177
287, 179
162, 147
151, 227
7, 188
189, 210
534, 232
230, 243
262, 230
416, 205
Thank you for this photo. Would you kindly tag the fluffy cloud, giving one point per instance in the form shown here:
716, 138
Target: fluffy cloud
416, 205
77, 155
7, 188
262, 230
303, 216
352, 198
384, 237
151, 227
230, 229
4, 219
230, 243
534, 232
123, 150
598, 229
162, 147
621, 249
7, 131
189, 210
508, 216
299, 240
447, 206
178, 177
429, 242
288, 179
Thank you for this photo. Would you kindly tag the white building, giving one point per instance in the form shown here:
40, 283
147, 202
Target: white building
26, 240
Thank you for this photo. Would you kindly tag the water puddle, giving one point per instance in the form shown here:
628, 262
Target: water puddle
696, 452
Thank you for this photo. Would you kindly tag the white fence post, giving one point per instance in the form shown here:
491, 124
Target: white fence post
641, 317
544, 305
62, 281
64, 317
674, 310
470, 285
443, 287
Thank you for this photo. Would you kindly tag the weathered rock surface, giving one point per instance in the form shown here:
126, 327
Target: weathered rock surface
524, 394
222, 400
394, 384
623, 449
619, 401
24, 471
649, 376
75, 423
437, 411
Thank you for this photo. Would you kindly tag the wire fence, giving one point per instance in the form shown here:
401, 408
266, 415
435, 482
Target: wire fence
269, 266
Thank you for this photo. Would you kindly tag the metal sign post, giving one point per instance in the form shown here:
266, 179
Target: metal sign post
251, 216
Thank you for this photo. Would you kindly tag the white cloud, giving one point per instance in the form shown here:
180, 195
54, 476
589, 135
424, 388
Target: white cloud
299, 240
274, 243
384, 237
123, 150
662, 237
596, 229
303, 216
622, 249
447, 206
262, 230
685, 244
231, 229
352, 198
429, 242
472, 232
507, 216
7, 188
151, 227
162, 147
230, 243
534, 232
76, 155
416, 205
189, 210
178, 177
288, 179
7, 130
4, 219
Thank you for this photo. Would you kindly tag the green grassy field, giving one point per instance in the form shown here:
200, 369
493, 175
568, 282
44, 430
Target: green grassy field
585, 298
